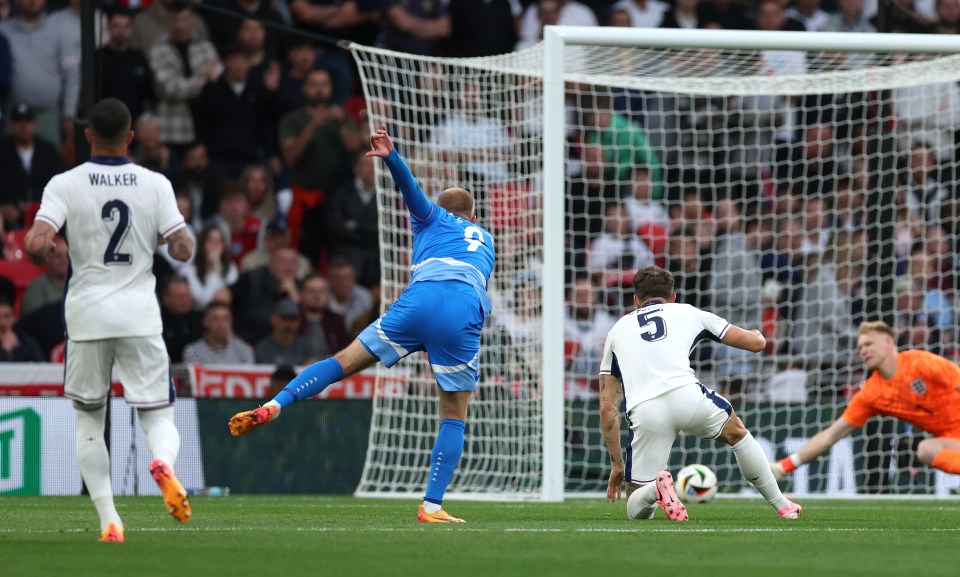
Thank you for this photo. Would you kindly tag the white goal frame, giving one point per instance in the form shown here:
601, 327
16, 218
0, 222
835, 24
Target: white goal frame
556, 38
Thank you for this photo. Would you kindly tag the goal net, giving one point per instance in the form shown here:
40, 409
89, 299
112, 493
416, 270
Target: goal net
793, 190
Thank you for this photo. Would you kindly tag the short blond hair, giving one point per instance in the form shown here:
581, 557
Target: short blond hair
877, 326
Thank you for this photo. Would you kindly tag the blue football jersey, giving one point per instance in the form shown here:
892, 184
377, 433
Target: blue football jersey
446, 247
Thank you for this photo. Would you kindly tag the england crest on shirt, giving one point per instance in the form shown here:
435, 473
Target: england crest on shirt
918, 387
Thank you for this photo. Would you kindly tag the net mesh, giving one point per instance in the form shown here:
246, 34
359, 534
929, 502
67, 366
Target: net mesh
799, 193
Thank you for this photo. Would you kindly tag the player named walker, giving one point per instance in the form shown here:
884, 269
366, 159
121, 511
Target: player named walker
113, 214
646, 361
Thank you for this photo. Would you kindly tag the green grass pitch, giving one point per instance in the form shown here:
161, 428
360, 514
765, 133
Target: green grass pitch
331, 536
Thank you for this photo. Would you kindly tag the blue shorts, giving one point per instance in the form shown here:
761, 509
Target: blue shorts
442, 318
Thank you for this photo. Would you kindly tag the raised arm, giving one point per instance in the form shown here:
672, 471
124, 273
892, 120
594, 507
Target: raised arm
818, 445
417, 202
611, 392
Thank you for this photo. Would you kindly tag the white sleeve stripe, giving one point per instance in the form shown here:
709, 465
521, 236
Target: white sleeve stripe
173, 228
724, 331
48, 220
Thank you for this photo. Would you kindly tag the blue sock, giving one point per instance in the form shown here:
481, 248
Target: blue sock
311, 381
443, 461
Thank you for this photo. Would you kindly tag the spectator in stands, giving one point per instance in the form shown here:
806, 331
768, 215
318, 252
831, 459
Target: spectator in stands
251, 39
27, 162
808, 13
182, 324
218, 346
823, 333
242, 229
16, 346
925, 193
184, 205
150, 26
548, 13
301, 58
850, 18
354, 20
225, 29
929, 113
211, 269
848, 206
416, 26
48, 287
6, 73
283, 346
353, 222
586, 198
349, 298
276, 236
723, 14
770, 17
736, 283
315, 141
257, 184
690, 266
641, 206
123, 69
685, 14
585, 330
149, 152
236, 116
818, 224
948, 16
624, 145
182, 64
913, 320
46, 69
644, 13
942, 249
481, 28
469, 136
615, 255
259, 289
200, 183
322, 329
279, 379
922, 270
810, 168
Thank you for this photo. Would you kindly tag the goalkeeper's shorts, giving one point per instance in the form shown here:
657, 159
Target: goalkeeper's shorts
442, 318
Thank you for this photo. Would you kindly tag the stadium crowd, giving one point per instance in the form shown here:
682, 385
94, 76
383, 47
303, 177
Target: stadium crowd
260, 132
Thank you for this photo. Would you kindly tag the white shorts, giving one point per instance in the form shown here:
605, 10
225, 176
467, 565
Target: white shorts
655, 424
143, 368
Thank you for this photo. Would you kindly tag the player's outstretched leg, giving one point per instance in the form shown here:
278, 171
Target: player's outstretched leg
313, 380
94, 462
755, 467
642, 504
163, 440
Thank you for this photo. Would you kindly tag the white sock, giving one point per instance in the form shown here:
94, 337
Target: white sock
642, 504
273, 403
94, 462
163, 439
431, 508
756, 469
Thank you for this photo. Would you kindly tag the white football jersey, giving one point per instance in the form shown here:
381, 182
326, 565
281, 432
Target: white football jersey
649, 348
112, 211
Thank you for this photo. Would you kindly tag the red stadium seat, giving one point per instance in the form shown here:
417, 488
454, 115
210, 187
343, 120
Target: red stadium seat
58, 353
21, 274
508, 207
655, 237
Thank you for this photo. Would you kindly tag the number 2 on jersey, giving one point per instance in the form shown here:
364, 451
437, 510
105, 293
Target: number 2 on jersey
474, 238
659, 327
113, 256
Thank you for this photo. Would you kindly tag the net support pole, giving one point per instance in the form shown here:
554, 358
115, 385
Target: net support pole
553, 274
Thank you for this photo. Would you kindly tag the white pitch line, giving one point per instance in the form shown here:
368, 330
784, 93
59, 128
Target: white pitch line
508, 530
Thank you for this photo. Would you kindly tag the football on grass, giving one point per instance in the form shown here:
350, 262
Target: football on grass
696, 484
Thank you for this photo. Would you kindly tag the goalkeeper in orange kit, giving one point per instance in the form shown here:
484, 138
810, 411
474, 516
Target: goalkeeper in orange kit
918, 387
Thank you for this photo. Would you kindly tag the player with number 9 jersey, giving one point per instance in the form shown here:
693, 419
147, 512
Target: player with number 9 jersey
112, 212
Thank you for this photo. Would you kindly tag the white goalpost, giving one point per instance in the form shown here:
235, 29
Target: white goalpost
794, 182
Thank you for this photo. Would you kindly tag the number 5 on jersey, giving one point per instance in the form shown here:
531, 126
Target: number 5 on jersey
474, 238
659, 327
113, 256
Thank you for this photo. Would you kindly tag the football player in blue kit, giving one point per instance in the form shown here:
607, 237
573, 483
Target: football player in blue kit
441, 312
